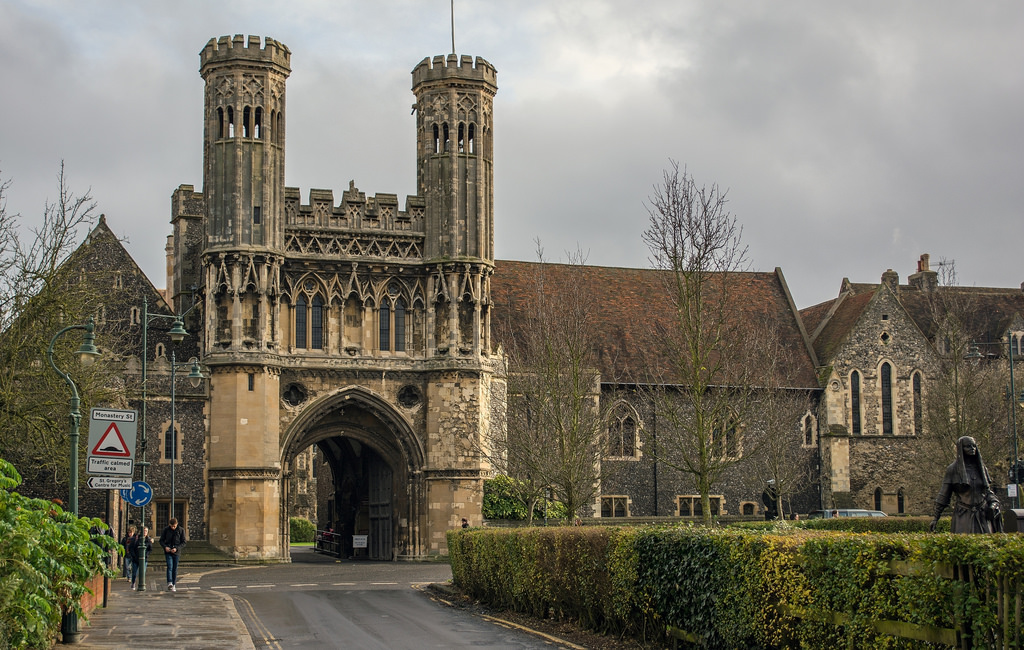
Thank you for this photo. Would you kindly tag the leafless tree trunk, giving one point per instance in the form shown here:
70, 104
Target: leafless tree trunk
556, 422
697, 242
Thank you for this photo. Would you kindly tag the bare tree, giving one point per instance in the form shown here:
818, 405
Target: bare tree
967, 397
555, 418
697, 242
783, 430
39, 295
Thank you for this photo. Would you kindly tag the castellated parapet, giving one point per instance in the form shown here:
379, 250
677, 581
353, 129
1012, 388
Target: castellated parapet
232, 49
356, 211
452, 66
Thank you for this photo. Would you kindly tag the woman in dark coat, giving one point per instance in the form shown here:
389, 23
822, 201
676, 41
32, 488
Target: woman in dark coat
142, 543
976, 509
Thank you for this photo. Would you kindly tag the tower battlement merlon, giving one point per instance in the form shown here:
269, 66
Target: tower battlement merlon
453, 66
241, 48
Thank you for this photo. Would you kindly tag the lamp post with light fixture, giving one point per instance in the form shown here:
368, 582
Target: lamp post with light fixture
86, 353
195, 377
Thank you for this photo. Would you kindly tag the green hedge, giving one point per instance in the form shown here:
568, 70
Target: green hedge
854, 524
301, 530
740, 588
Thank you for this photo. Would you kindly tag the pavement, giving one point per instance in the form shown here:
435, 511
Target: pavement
158, 618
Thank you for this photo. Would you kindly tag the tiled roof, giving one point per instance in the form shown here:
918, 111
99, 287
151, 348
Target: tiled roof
833, 331
632, 305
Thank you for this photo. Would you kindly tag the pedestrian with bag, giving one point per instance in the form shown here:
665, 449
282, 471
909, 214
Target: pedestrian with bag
173, 541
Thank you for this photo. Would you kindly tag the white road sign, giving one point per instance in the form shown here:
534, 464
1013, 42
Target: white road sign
110, 483
110, 466
111, 447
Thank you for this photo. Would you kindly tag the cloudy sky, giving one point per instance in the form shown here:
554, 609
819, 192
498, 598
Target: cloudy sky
852, 136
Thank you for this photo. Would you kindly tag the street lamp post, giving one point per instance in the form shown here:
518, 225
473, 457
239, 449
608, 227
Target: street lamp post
177, 333
86, 353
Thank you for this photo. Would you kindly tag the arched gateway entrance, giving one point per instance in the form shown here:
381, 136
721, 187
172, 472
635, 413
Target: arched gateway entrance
377, 465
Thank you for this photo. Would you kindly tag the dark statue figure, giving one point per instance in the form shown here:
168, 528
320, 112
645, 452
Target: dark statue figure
976, 509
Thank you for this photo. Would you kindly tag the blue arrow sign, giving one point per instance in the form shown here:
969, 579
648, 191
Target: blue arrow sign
139, 495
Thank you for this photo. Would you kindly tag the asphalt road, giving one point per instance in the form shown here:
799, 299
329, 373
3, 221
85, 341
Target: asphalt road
320, 602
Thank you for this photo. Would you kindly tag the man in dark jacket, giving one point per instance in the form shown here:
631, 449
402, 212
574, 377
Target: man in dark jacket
173, 541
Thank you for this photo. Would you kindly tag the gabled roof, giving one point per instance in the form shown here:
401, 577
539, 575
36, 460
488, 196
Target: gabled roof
632, 304
990, 311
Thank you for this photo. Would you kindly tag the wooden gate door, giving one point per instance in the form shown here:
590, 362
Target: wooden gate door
380, 544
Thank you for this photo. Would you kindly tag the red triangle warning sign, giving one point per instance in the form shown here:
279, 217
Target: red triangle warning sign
111, 444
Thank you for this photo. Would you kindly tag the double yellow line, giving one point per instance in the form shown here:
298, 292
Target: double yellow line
268, 641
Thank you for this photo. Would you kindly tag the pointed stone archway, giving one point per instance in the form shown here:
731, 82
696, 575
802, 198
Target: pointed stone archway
377, 462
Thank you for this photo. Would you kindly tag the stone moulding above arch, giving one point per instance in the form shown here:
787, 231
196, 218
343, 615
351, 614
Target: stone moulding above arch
404, 437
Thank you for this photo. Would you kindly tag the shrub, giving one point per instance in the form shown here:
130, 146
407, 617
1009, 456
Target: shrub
301, 530
46, 558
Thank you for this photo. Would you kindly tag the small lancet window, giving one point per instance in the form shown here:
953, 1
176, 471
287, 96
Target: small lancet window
472, 133
385, 326
447, 138
399, 325
437, 141
256, 214
462, 138
231, 122
279, 132
258, 124
317, 324
220, 122
246, 117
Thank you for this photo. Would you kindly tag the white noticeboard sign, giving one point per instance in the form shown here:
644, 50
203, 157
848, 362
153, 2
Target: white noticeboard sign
111, 447
1011, 490
359, 541
110, 482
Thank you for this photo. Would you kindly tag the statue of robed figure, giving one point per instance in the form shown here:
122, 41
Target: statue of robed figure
976, 509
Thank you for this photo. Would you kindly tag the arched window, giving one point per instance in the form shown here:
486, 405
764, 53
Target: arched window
300, 322
399, 325
886, 381
437, 140
878, 498
171, 443
316, 329
901, 502
855, 401
462, 138
447, 138
258, 124
231, 122
622, 433
725, 440
808, 431
918, 410
246, 117
220, 122
472, 133
278, 130
748, 509
385, 325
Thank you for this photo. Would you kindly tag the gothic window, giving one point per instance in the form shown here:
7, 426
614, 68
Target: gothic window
747, 509
134, 316
918, 414
171, 444
689, 505
472, 133
258, 124
399, 325
278, 130
447, 138
808, 431
886, 381
725, 440
246, 117
160, 350
622, 433
385, 326
231, 122
437, 140
617, 506
878, 498
300, 322
316, 318
855, 402
462, 138
901, 501
252, 382
220, 123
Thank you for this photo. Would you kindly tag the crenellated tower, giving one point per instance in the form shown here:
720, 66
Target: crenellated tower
455, 177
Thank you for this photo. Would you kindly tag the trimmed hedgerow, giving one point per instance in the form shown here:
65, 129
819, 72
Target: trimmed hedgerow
728, 588
301, 530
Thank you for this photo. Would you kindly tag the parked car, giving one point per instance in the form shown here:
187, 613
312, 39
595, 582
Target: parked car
845, 512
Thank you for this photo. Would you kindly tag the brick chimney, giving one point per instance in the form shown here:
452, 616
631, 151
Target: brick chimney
892, 280
925, 279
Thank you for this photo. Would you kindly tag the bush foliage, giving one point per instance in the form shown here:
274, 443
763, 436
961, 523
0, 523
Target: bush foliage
46, 558
301, 530
729, 588
502, 501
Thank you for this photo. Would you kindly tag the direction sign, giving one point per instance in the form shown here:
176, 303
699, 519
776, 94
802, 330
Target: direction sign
109, 483
140, 494
109, 466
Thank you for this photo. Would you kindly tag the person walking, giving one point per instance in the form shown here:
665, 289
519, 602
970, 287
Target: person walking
136, 551
173, 541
